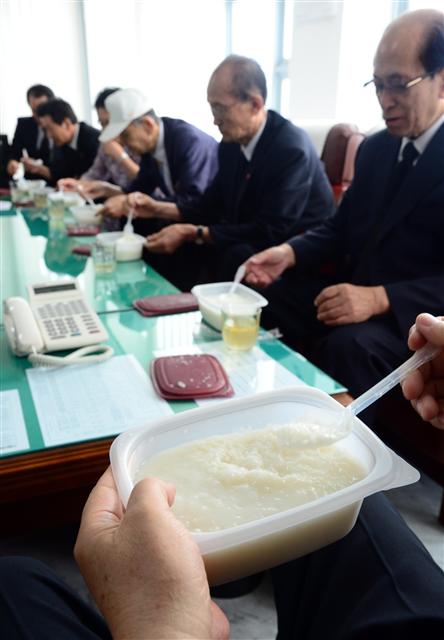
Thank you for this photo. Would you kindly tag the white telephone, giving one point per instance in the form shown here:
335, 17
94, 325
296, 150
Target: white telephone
57, 317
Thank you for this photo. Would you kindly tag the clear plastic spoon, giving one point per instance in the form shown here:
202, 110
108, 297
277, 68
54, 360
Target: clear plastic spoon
128, 228
238, 276
89, 200
314, 433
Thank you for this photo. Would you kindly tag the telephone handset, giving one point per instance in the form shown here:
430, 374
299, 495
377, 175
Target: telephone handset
57, 317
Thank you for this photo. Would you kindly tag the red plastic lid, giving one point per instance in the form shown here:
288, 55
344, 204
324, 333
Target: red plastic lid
189, 376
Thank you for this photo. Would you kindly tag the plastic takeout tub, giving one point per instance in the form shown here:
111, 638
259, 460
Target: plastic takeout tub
211, 300
128, 246
245, 549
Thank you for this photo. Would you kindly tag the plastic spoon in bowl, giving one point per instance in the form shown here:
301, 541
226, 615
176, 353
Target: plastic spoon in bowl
89, 200
238, 276
322, 434
128, 228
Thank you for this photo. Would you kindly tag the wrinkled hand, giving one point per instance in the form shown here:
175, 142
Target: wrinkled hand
113, 149
347, 303
143, 205
169, 239
265, 267
99, 189
32, 165
143, 568
425, 386
115, 207
67, 184
12, 167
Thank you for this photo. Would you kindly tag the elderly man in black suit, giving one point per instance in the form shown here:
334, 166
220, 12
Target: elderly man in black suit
75, 143
388, 233
270, 182
30, 144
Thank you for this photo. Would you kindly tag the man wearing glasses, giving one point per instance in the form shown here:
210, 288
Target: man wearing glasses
387, 236
270, 184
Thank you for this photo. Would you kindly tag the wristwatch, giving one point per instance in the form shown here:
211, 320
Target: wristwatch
199, 239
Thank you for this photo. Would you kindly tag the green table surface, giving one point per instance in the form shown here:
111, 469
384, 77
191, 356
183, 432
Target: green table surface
33, 251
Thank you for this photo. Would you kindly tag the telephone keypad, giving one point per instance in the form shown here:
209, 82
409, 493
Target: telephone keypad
66, 319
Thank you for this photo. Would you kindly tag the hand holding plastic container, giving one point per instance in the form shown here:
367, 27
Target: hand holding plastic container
300, 527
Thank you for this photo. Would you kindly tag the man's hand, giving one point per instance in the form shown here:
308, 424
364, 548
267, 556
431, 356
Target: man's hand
115, 207
67, 184
143, 205
348, 303
12, 167
425, 386
265, 267
169, 239
143, 568
113, 149
100, 189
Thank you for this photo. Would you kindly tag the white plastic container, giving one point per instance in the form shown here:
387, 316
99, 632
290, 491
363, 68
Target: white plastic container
86, 214
211, 300
238, 551
129, 246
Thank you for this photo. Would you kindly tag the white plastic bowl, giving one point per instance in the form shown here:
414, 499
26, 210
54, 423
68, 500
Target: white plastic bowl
211, 301
129, 246
85, 214
245, 549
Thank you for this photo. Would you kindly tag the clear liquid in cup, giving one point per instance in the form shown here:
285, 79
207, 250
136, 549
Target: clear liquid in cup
240, 325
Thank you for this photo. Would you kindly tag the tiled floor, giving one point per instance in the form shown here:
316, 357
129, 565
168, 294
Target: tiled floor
251, 616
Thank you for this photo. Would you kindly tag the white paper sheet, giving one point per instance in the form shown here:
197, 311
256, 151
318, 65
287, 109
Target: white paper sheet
13, 434
249, 371
83, 402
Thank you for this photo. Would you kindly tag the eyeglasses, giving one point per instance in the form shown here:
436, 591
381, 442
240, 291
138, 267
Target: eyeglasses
220, 110
397, 88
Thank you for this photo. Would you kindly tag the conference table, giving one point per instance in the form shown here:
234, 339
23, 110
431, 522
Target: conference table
43, 485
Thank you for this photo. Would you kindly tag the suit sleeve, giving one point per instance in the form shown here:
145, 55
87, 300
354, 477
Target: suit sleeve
15, 151
282, 204
196, 168
408, 299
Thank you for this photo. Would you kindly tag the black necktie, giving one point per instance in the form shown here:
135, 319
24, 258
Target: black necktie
409, 155
398, 177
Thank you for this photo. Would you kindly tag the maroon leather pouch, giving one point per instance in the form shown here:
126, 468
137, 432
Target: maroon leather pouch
82, 230
189, 377
164, 305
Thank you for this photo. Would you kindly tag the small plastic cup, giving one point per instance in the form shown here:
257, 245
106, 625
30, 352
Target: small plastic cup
240, 325
104, 257
19, 192
41, 197
56, 205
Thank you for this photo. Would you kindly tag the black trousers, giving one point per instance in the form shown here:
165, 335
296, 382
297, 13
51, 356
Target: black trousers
377, 582
356, 355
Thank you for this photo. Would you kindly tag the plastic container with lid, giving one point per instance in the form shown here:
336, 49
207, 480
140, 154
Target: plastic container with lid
129, 246
213, 297
247, 548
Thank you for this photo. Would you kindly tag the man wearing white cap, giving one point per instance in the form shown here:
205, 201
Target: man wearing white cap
178, 161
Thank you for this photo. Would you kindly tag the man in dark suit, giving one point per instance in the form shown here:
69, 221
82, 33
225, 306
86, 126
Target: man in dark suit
29, 137
388, 231
270, 182
178, 160
75, 143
